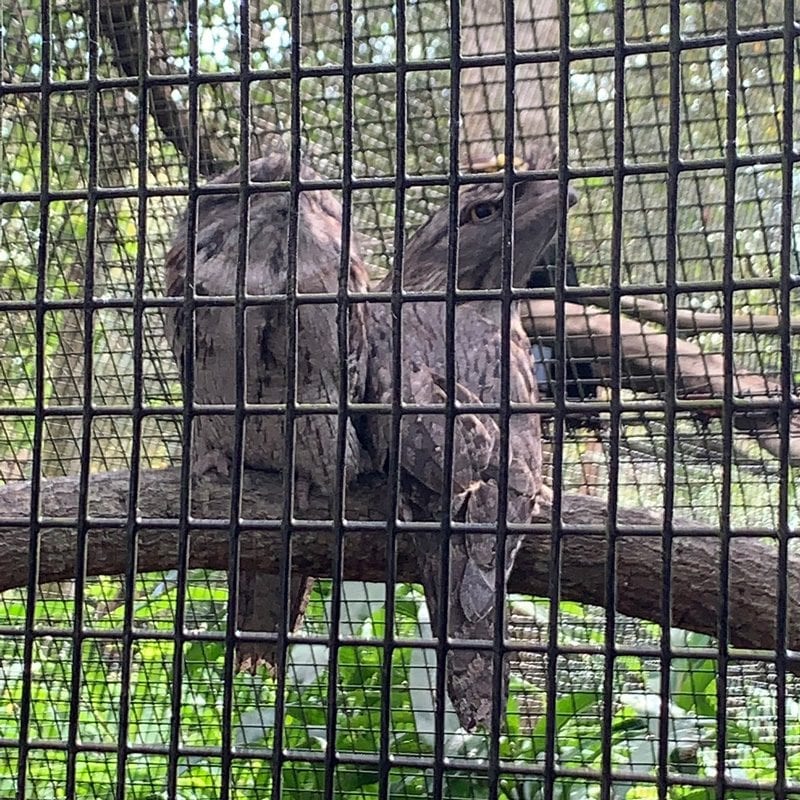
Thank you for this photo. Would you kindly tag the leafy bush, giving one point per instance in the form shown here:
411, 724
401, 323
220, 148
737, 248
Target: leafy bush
97, 675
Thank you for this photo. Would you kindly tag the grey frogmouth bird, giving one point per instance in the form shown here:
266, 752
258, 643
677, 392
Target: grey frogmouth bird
474, 495
267, 356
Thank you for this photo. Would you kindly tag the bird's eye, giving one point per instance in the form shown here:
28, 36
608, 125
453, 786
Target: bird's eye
482, 211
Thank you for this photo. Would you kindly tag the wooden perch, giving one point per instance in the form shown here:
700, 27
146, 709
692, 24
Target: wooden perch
695, 559
643, 350
692, 321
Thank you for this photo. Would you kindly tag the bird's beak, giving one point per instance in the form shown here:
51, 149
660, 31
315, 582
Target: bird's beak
572, 197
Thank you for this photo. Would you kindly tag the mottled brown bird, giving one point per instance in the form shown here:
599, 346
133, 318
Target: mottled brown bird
474, 497
266, 342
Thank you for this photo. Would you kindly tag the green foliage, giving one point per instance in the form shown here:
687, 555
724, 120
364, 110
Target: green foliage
573, 730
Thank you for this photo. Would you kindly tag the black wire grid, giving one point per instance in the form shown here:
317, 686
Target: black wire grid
676, 124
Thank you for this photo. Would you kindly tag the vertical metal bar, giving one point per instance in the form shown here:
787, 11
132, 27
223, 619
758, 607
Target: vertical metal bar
789, 160
187, 417
728, 284
291, 395
506, 299
393, 471
131, 523
609, 649
337, 504
671, 250
82, 528
440, 624
39, 405
240, 413
559, 347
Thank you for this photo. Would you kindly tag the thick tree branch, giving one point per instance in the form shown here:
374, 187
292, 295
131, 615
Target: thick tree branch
700, 376
695, 559
119, 24
693, 322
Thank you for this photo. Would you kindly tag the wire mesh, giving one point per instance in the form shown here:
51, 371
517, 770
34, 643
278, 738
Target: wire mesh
665, 344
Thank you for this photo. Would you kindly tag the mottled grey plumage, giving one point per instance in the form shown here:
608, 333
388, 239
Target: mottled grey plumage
266, 346
476, 466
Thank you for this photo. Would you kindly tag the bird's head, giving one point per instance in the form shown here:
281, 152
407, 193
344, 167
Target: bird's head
480, 234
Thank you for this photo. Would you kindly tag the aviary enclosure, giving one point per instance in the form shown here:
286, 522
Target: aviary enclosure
539, 538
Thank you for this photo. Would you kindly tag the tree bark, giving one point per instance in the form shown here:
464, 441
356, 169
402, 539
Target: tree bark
690, 321
695, 553
483, 89
644, 353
